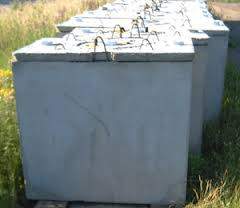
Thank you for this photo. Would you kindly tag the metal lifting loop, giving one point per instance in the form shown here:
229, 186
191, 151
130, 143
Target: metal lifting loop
143, 23
153, 33
146, 6
188, 21
149, 43
95, 46
121, 30
177, 32
172, 27
156, 6
181, 12
59, 44
135, 24
100, 32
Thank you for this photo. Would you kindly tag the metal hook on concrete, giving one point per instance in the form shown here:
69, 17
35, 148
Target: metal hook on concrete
156, 5
148, 42
100, 31
188, 21
146, 6
62, 46
153, 33
121, 30
95, 46
136, 25
143, 23
82, 43
177, 32
172, 27
181, 12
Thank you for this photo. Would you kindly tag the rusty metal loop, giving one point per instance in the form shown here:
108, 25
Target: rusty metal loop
121, 29
59, 44
146, 6
100, 31
149, 43
177, 32
95, 46
153, 33
172, 27
181, 12
188, 21
143, 23
82, 43
156, 5
135, 24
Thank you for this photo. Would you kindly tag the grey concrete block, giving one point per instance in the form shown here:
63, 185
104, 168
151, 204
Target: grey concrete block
104, 132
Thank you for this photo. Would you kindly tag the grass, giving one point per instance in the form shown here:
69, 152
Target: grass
219, 185
21, 24
214, 177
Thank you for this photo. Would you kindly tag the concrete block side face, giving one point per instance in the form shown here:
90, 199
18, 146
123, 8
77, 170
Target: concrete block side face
105, 132
197, 101
17, 72
214, 86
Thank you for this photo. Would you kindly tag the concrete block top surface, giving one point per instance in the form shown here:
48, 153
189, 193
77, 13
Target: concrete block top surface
199, 37
114, 49
188, 14
202, 19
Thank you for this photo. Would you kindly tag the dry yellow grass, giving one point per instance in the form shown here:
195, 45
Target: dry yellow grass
24, 23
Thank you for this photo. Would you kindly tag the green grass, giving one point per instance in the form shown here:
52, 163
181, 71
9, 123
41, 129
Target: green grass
11, 182
219, 164
21, 24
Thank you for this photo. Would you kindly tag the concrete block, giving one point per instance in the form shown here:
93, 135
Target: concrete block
104, 132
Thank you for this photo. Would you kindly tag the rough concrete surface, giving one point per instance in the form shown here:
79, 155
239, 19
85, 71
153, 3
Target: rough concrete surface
106, 132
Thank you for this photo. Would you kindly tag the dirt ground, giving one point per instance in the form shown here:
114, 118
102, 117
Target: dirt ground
230, 13
227, 11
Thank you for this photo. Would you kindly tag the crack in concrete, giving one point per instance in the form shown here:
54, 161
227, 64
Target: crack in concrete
99, 120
